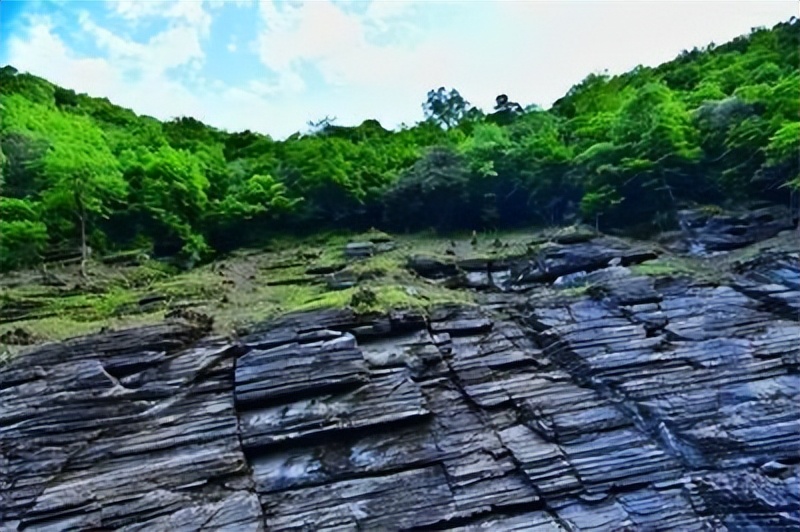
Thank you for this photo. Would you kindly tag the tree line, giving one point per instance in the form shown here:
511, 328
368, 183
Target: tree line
715, 124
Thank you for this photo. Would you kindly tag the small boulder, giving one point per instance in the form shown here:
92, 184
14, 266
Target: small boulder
431, 267
571, 280
575, 235
358, 250
341, 281
773, 468
383, 247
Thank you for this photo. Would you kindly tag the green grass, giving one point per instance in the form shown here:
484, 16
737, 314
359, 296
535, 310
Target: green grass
253, 285
575, 291
385, 297
699, 268
66, 326
659, 269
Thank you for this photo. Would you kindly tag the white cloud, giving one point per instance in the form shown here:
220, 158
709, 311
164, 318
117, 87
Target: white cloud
50, 57
135, 10
335, 41
189, 12
216, 4
44, 53
171, 48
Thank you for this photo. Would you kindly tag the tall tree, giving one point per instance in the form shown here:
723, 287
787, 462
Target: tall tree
446, 108
83, 179
434, 192
595, 204
171, 190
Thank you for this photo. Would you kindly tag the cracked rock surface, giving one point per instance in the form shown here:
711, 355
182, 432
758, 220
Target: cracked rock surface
656, 404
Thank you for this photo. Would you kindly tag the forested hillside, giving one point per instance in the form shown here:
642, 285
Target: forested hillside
714, 125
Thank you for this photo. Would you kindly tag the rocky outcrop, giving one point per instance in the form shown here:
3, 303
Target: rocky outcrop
431, 267
133, 430
545, 264
649, 404
705, 231
358, 250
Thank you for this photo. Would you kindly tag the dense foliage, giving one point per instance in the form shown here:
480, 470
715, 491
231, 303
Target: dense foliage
715, 124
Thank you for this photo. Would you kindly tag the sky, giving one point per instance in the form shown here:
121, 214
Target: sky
272, 66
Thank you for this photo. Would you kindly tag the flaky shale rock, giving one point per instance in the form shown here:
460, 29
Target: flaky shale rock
655, 404
131, 430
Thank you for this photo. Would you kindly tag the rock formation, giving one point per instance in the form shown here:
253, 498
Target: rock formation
648, 403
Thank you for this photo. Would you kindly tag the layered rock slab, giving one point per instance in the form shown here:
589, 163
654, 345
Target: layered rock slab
130, 430
404, 450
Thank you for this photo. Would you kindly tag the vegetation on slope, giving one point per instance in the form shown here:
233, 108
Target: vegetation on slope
714, 124
240, 288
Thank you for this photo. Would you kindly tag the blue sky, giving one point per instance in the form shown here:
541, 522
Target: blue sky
272, 66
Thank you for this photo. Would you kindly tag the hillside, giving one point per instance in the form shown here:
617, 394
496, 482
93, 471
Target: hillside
712, 126
576, 319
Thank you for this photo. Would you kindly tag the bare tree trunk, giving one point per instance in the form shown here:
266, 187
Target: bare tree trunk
597, 224
84, 249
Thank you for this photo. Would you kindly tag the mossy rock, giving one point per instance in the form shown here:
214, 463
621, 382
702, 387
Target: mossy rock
18, 336
364, 299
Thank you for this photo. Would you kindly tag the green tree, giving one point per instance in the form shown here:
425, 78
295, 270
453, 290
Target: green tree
171, 190
434, 192
656, 145
3, 161
83, 179
595, 204
257, 196
783, 159
716, 123
485, 148
23, 236
446, 108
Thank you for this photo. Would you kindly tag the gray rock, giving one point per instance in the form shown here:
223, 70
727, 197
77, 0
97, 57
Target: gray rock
431, 267
357, 250
82, 449
571, 280
662, 405
341, 281
383, 247
559, 261
704, 232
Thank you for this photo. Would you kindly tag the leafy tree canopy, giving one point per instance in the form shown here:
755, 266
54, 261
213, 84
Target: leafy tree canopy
716, 123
